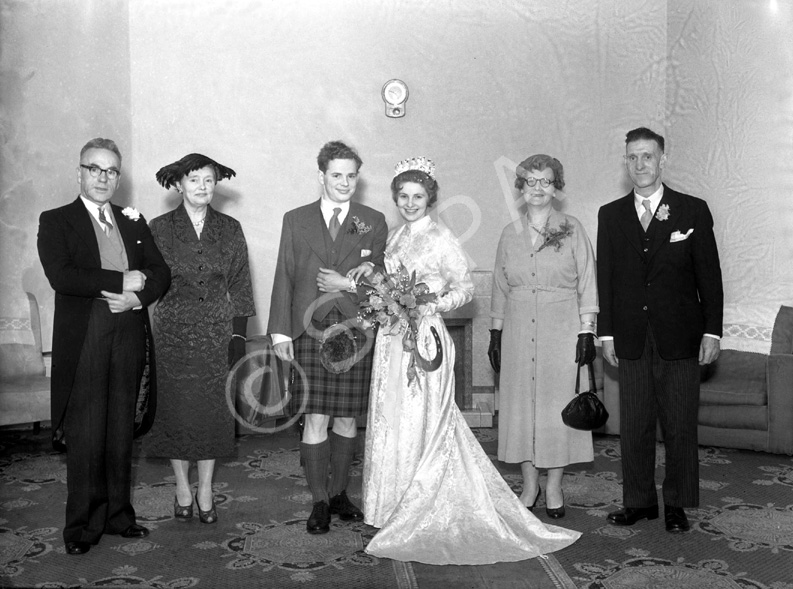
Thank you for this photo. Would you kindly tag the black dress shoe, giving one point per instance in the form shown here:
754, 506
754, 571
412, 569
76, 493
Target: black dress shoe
135, 531
676, 520
207, 517
319, 520
77, 547
181, 511
537, 498
554, 512
630, 515
344, 508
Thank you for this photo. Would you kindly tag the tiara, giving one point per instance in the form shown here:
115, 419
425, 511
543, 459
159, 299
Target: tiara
421, 164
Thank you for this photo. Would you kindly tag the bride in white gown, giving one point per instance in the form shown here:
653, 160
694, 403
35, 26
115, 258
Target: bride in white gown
427, 483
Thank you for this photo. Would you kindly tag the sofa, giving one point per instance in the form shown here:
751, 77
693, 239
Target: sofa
24, 386
746, 398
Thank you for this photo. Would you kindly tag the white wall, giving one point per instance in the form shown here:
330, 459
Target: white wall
261, 85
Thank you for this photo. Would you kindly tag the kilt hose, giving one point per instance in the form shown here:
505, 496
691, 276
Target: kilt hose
337, 395
653, 389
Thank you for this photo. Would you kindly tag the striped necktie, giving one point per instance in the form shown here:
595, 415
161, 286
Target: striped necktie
647, 215
107, 226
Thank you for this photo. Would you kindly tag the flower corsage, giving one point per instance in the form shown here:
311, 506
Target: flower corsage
555, 237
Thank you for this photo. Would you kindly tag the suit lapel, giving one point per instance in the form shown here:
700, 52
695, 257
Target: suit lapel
629, 222
128, 235
349, 240
662, 230
80, 220
313, 228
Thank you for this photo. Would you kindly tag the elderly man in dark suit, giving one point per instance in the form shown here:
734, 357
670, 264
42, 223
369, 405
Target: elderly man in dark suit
323, 247
105, 269
661, 306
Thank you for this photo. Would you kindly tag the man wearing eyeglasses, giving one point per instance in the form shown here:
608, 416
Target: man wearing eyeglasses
105, 269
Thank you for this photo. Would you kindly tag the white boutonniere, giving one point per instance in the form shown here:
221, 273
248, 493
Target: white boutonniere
662, 214
131, 213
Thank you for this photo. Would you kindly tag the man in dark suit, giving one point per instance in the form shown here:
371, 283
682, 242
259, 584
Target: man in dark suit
105, 269
661, 305
323, 247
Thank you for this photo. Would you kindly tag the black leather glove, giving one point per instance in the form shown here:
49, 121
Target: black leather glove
494, 351
239, 328
585, 349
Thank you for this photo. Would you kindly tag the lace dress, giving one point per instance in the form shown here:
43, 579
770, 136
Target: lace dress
428, 485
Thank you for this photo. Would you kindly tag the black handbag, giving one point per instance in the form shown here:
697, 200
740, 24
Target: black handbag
586, 411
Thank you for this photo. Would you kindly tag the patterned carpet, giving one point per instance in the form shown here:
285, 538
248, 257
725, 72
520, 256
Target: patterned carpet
741, 538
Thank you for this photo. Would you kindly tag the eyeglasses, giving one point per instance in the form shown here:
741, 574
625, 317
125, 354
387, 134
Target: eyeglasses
96, 171
544, 182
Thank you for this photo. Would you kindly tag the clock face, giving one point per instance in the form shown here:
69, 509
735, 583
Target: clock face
395, 92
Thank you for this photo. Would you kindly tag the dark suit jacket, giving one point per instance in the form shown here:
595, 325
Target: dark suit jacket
675, 285
69, 254
303, 252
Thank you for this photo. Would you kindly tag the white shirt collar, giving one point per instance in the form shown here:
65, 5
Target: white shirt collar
93, 208
654, 198
326, 206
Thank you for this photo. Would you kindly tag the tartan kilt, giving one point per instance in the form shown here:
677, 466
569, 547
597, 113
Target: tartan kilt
338, 395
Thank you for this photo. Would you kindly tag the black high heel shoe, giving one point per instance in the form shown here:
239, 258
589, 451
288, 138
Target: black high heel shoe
206, 517
556, 512
537, 498
181, 511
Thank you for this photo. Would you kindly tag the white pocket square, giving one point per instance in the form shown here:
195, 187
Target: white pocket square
677, 236
366, 253
138, 241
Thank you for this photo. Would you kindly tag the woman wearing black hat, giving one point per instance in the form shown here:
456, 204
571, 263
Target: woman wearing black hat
199, 329
544, 299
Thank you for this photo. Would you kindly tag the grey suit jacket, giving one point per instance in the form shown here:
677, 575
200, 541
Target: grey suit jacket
303, 251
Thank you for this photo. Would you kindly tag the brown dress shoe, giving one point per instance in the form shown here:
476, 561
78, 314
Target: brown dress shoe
344, 508
676, 520
630, 515
319, 520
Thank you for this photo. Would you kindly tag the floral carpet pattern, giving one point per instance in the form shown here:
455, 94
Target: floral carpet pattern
741, 536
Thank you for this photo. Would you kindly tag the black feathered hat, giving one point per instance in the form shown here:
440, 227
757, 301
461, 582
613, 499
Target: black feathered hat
171, 174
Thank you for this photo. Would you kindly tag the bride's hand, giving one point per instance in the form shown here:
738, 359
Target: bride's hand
364, 269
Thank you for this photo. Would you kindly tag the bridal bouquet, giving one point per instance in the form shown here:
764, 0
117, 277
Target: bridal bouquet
388, 299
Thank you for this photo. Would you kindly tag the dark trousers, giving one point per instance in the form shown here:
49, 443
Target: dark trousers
653, 389
99, 423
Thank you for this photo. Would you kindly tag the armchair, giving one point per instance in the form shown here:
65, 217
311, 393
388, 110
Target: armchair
24, 386
745, 399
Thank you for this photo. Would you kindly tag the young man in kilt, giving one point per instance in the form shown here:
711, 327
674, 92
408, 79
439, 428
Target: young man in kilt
322, 244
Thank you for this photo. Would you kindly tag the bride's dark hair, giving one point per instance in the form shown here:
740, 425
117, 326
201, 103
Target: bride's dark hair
419, 177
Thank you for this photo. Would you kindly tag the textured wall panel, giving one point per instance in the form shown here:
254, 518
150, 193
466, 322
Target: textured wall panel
730, 130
